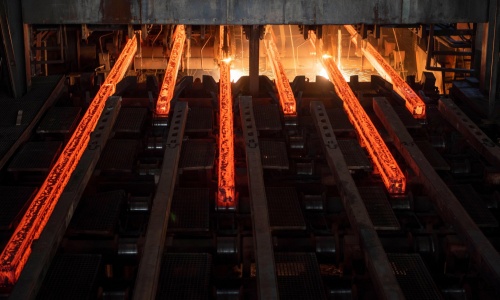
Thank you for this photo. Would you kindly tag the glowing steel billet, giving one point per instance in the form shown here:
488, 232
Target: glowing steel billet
168, 85
391, 174
18, 249
413, 102
226, 191
287, 99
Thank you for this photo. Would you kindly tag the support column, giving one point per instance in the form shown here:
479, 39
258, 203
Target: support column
254, 40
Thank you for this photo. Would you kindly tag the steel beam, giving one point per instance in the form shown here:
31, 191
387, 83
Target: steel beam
45, 248
18, 249
391, 174
449, 208
170, 79
253, 59
148, 274
414, 104
262, 238
473, 134
376, 258
287, 99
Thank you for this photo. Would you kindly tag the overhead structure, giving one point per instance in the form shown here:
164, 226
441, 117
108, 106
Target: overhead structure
393, 178
225, 192
414, 103
168, 85
287, 100
18, 249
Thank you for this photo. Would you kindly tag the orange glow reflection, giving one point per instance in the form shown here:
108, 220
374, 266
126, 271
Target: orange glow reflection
226, 185
18, 249
168, 85
391, 174
414, 103
287, 100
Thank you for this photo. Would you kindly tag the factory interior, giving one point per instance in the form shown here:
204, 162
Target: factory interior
265, 149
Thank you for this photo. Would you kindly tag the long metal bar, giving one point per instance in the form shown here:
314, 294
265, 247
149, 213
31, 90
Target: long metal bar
263, 245
391, 174
148, 274
45, 248
413, 102
253, 59
482, 252
474, 135
376, 258
18, 249
287, 99
226, 187
168, 85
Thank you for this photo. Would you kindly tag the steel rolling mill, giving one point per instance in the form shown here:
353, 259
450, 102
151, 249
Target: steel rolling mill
278, 149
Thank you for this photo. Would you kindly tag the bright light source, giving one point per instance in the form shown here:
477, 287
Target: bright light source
236, 74
323, 72
325, 56
227, 59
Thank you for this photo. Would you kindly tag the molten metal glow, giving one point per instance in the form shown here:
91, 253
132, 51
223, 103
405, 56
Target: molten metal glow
18, 249
226, 191
287, 99
390, 172
413, 102
168, 85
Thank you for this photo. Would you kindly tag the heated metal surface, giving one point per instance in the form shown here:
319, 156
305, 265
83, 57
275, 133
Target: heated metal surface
393, 178
149, 271
379, 208
450, 209
190, 210
413, 277
59, 120
130, 120
35, 157
274, 155
14, 199
71, 276
414, 104
197, 155
354, 155
263, 247
376, 259
200, 119
298, 276
284, 209
267, 117
474, 205
17, 251
185, 276
168, 84
118, 156
98, 214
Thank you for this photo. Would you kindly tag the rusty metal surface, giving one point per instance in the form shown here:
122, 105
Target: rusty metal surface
260, 12
264, 254
376, 258
485, 256
472, 133
149, 267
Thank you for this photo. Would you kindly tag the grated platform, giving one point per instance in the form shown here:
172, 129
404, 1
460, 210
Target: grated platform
97, 215
35, 157
284, 209
267, 117
474, 205
406, 117
339, 120
354, 155
118, 156
197, 155
379, 208
413, 277
298, 276
185, 276
200, 119
130, 120
12, 204
274, 155
433, 156
190, 210
59, 120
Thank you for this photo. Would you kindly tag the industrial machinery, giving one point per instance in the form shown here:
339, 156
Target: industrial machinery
280, 149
